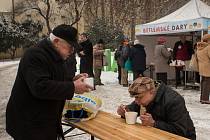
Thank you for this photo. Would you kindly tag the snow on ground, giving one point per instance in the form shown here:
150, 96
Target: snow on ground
112, 95
5, 64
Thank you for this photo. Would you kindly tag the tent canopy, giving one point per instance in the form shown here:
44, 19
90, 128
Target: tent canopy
193, 16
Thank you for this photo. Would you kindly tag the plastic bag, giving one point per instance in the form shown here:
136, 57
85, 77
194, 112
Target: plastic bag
81, 108
128, 65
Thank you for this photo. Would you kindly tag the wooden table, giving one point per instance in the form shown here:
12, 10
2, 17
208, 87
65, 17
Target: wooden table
107, 126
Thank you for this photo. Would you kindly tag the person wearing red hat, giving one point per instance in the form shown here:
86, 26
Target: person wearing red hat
41, 87
161, 56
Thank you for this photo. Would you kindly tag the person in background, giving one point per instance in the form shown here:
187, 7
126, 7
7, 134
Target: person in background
165, 108
117, 57
138, 58
182, 50
70, 65
203, 56
161, 56
98, 54
41, 87
86, 55
123, 58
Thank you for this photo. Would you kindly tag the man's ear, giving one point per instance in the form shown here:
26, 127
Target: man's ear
56, 40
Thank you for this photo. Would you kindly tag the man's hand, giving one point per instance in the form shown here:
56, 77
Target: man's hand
85, 75
81, 86
147, 119
121, 110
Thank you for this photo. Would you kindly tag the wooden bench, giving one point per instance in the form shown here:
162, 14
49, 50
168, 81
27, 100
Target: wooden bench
107, 126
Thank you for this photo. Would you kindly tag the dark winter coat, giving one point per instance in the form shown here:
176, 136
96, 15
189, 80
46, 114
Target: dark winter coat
70, 64
35, 106
170, 113
117, 54
86, 61
138, 57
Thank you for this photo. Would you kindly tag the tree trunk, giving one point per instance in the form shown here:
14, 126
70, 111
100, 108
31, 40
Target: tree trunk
47, 17
103, 9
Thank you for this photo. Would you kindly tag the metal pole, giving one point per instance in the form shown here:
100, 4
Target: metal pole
201, 33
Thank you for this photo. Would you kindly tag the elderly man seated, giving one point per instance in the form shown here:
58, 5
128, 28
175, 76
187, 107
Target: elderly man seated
165, 108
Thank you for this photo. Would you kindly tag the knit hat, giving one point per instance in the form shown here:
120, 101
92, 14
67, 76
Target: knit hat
161, 39
67, 33
141, 85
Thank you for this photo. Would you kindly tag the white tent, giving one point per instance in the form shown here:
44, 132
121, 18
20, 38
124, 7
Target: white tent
193, 16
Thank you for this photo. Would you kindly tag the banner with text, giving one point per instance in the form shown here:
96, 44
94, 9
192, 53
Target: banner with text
172, 27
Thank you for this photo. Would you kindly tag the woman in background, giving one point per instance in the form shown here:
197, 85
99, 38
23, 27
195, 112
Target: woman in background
203, 55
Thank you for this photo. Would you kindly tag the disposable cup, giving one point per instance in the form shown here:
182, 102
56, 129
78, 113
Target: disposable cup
179, 62
130, 117
89, 81
173, 63
169, 49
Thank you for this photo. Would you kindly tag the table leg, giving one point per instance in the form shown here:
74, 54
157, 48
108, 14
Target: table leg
185, 79
92, 137
69, 130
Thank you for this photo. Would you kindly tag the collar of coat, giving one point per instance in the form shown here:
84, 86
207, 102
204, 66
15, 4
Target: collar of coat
47, 45
159, 93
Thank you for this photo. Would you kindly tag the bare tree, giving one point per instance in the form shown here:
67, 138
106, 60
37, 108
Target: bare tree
71, 10
42, 9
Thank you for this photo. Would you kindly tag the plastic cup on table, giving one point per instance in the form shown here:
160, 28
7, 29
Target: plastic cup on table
131, 117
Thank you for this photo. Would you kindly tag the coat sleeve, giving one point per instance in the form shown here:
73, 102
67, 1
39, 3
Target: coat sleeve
88, 49
165, 53
177, 118
208, 49
134, 107
175, 50
38, 79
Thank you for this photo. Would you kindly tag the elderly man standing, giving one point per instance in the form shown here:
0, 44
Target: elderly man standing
165, 108
41, 87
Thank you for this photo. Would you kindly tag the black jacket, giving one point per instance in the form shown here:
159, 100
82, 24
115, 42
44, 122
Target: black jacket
35, 106
86, 61
138, 57
170, 113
